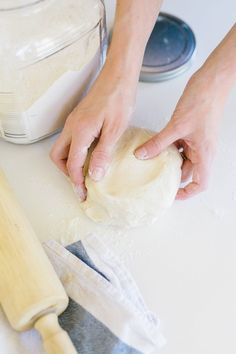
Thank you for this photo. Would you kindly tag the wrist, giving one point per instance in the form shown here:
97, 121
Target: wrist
212, 82
220, 78
118, 76
114, 85
122, 70
220, 66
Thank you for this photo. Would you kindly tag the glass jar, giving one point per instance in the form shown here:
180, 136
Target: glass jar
50, 53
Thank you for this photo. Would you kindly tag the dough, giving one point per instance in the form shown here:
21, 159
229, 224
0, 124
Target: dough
134, 192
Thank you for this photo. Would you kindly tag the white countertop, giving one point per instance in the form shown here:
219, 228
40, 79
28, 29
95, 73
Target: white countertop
185, 264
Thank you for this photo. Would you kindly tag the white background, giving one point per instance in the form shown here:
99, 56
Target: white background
185, 264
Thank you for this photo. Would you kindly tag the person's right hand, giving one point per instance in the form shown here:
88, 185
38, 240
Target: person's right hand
105, 112
103, 115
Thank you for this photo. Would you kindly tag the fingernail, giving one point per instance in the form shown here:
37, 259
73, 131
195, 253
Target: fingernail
97, 173
80, 192
141, 154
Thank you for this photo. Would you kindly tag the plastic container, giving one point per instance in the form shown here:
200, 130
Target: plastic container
50, 53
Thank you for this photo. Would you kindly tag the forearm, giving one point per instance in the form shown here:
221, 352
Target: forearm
219, 69
133, 25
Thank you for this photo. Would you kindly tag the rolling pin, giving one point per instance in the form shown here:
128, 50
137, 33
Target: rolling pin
31, 294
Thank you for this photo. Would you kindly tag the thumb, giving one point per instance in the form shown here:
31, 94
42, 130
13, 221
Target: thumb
157, 143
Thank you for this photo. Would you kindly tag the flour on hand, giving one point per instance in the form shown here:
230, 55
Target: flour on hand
134, 192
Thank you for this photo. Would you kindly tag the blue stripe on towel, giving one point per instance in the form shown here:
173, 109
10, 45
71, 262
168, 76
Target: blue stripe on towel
79, 251
89, 335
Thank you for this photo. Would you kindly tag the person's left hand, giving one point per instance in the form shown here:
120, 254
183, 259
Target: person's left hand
194, 128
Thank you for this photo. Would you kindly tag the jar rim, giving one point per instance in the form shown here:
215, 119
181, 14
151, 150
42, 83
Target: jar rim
11, 5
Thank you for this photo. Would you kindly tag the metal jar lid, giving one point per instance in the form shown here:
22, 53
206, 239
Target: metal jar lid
169, 49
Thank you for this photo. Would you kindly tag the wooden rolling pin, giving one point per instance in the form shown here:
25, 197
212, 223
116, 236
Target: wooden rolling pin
31, 294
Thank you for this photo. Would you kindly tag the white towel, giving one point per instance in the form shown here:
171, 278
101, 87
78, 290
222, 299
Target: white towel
106, 314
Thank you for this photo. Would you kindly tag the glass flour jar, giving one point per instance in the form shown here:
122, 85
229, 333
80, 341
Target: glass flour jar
50, 53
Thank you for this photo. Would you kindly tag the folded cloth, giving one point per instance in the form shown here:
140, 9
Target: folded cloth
106, 312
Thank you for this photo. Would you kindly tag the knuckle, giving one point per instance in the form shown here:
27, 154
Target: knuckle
76, 120
79, 153
72, 163
86, 128
69, 120
75, 174
70, 167
81, 125
179, 127
113, 132
99, 155
155, 144
181, 121
53, 155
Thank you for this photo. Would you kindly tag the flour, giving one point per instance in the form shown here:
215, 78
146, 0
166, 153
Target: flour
53, 57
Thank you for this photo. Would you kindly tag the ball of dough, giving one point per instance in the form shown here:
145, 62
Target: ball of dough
134, 192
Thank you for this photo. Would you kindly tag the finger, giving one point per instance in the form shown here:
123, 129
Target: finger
187, 170
157, 144
101, 157
198, 184
77, 155
60, 150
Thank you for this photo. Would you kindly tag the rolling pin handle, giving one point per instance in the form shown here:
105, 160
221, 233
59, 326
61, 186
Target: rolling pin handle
55, 339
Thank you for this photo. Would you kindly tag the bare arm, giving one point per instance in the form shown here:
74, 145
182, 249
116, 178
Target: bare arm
220, 67
195, 123
106, 110
134, 22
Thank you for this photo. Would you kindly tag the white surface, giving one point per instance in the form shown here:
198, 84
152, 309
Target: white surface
185, 264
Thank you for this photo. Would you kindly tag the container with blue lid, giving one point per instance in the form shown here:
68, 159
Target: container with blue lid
169, 50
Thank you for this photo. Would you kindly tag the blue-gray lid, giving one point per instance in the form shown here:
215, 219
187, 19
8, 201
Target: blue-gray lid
169, 49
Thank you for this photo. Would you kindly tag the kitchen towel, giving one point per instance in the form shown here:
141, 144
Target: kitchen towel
106, 312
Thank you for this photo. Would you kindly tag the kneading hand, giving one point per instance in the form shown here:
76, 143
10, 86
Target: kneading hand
195, 122
102, 115
193, 128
